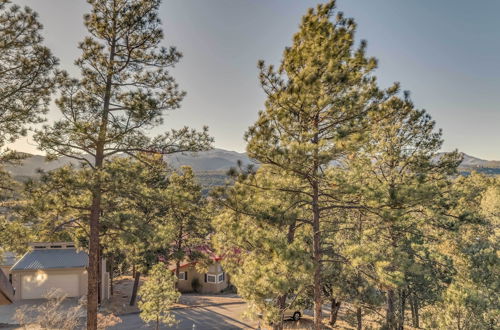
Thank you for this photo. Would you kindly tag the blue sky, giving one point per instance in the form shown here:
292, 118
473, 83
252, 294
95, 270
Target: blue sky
446, 52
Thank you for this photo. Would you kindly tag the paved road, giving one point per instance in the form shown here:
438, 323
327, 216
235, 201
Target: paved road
226, 315
219, 317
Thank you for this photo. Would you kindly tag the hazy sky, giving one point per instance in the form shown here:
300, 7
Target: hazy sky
446, 52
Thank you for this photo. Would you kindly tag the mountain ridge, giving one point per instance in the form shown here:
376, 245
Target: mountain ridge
212, 161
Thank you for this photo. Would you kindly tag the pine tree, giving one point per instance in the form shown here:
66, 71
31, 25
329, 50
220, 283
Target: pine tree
185, 224
56, 208
124, 90
59, 201
27, 78
147, 210
158, 295
317, 103
264, 241
470, 298
400, 179
26, 71
349, 276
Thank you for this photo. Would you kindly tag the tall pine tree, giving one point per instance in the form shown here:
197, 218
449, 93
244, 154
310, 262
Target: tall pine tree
124, 89
317, 103
27, 79
399, 177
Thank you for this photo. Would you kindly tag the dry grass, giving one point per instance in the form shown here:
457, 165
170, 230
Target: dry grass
119, 302
52, 314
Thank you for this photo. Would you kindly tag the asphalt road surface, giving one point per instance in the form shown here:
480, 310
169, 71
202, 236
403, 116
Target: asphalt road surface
223, 317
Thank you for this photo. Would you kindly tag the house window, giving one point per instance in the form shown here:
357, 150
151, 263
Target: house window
183, 276
214, 278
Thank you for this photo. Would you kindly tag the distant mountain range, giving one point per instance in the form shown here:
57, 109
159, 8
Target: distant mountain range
210, 164
218, 160
215, 160
473, 162
469, 164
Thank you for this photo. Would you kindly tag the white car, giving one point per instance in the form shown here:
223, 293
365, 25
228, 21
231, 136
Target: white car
290, 313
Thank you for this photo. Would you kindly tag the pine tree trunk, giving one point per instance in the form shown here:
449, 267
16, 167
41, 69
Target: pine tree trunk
414, 311
177, 272
111, 274
390, 314
95, 210
177, 267
317, 289
334, 311
135, 288
281, 305
359, 318
282, 299
317, 258
99, 279
402, 308
157, 323
179, 247
93, 272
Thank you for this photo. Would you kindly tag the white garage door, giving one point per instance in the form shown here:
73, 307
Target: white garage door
37, 285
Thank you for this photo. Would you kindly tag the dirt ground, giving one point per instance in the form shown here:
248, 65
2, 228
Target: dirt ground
119, 302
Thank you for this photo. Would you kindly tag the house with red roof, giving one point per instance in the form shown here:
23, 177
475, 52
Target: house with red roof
209, 278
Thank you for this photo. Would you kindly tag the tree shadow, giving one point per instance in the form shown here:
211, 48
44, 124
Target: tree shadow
206, 319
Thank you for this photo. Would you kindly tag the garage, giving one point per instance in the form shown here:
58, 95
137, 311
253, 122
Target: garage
34, 286
48, 267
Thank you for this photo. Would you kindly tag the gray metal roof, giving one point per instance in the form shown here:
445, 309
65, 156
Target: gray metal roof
52, 259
